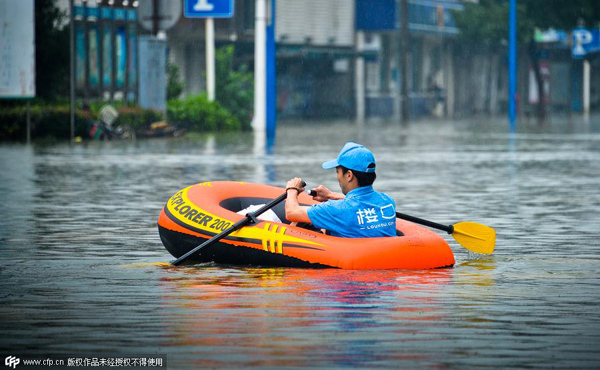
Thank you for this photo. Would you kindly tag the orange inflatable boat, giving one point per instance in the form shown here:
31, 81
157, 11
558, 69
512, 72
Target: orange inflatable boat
201, 211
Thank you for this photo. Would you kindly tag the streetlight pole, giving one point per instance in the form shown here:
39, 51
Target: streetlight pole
210, 58
260, 62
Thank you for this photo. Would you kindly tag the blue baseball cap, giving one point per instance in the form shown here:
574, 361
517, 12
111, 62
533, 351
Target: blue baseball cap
354, 157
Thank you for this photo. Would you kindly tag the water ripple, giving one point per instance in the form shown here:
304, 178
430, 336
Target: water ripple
82, 269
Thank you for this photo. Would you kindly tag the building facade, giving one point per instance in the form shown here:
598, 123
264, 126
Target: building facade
316, 55
320, 43
315, 43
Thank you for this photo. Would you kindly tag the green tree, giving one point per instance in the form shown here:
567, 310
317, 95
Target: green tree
234, 88
562, 14
174, 84
486, 24
51, 51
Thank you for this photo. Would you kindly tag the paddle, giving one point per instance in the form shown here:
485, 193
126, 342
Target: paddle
250, 217
475, 237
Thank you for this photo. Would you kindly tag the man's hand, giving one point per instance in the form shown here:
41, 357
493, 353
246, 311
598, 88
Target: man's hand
296, 182
293, 211
324, 194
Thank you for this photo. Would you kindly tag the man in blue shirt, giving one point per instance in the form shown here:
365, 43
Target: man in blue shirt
359, 212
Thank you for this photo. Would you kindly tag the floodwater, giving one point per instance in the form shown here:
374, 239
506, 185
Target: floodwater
82, 270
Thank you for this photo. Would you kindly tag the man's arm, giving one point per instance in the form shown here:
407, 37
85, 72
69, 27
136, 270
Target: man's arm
324, 194
294, 212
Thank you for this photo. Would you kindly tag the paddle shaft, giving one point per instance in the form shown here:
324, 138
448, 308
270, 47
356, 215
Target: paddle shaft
449, 229
250, 217
474, 237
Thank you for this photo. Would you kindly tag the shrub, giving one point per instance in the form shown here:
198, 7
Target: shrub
194, 113
52, 121
46, 122
197, 113
137, 118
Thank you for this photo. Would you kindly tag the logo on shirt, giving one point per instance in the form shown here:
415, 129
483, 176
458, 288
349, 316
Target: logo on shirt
369, 215
387, 212
370, 219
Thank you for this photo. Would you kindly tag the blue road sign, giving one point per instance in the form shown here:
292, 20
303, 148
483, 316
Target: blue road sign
376, 15
208, 8
585, 41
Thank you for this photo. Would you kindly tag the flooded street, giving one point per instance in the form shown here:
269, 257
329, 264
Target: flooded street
81, 272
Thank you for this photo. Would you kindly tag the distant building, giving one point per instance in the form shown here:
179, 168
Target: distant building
316, 52
106, 48
431, 82
315, 45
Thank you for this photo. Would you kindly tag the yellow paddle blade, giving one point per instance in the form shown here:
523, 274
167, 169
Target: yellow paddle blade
475, 237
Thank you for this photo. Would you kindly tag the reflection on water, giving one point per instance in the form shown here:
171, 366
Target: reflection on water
82, 269
292, 317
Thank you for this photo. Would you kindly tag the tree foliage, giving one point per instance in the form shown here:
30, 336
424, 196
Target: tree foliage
561, 14
174, 84
234, 88
51, 51
486, 23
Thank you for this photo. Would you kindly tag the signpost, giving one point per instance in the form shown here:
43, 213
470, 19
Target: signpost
585, 41
209, 9
159, 15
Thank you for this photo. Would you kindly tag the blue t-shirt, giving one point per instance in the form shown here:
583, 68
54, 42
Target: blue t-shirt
363, 213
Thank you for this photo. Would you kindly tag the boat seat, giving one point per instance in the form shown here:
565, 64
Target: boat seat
239, 203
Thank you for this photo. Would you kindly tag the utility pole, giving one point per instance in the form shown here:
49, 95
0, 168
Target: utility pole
404, 45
